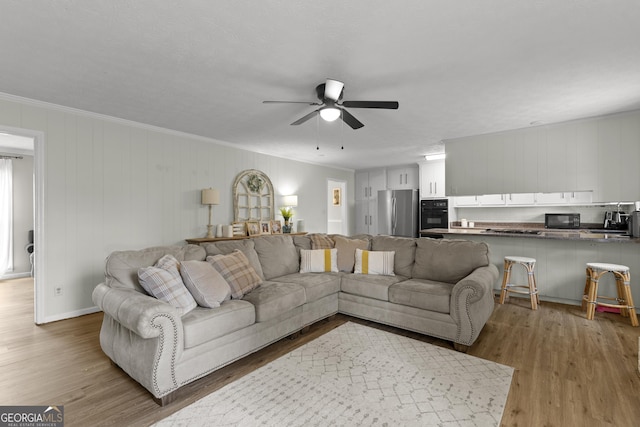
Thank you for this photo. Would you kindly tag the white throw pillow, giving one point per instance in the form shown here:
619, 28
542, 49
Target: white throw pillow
207, 286
375, 262
163, 281
318, 260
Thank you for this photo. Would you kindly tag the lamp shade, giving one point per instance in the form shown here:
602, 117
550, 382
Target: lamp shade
210, 196
291, 200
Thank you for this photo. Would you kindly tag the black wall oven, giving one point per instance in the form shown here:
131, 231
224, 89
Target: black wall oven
434, 214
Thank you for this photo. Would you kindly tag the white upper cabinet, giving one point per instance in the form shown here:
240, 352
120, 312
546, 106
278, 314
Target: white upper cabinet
598, 158
402, 178
432, 178
369, 182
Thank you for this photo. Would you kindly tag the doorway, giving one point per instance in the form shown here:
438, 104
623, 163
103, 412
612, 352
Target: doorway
337, 207
25, 142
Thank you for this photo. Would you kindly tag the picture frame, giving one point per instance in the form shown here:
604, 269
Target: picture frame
337, 197
239, 228
253, 228
276, 226
265, 227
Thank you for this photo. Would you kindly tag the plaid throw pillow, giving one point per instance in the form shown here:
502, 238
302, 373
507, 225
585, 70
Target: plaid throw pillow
237, 271
163, 281
321, 241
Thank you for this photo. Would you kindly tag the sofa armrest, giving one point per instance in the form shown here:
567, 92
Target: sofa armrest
133, 310
472, 303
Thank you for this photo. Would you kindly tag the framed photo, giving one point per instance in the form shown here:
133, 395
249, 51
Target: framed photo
337, 197
239, 228
276, 226
265, 227
253, 228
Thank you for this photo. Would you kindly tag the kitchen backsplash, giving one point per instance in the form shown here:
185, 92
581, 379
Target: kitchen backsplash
588, 214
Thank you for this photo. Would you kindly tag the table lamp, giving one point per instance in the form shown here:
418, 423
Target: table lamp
210, 197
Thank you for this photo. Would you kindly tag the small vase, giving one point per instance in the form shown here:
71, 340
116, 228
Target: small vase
286, 228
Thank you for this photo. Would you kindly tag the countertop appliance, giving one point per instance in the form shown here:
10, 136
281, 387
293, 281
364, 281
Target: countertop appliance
398, 212
562, 220
634, 224
434, 214
615, 220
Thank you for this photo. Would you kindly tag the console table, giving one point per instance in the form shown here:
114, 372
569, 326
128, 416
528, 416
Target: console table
200, 240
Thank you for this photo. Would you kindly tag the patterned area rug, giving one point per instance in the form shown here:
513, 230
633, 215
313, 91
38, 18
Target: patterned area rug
357, 375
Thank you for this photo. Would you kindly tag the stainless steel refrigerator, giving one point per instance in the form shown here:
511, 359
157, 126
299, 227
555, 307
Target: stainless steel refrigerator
398, 212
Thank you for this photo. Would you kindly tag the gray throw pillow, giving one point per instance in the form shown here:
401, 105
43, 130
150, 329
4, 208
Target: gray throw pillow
163, 281
206, 285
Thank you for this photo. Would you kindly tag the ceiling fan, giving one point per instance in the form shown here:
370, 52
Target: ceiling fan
330, 93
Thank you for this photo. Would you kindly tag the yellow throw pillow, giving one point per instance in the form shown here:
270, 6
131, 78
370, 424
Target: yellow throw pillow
318, 260
375, 262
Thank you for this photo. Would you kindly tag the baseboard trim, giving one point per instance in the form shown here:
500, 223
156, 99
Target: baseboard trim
70, 314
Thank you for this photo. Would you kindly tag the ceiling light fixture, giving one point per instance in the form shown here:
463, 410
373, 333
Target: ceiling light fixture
438, 156
329, 114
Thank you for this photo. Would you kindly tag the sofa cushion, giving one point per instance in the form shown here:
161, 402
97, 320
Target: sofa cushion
376, 287
321, 241
205, 324
404, 247
316, 285
121, 269
425, 294
273, 298
444, 260
236, 270
347, 251
163, 281
277, 254
374, 262
205, 284
246, 246
319, 261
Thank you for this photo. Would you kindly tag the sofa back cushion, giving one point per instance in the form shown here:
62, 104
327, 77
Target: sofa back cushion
246, 246
121, 267
347, 251
404, 247
277, 254
448, 261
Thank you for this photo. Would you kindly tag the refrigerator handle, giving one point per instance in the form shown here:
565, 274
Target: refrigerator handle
394, 216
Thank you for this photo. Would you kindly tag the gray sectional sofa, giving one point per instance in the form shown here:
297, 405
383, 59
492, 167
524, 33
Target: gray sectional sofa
441, 288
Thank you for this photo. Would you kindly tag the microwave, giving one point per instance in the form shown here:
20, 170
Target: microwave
562, 220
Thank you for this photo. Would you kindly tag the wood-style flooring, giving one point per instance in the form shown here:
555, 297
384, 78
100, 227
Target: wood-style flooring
568, 371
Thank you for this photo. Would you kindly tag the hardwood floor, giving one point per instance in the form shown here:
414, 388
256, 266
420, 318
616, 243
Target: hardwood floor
568, 371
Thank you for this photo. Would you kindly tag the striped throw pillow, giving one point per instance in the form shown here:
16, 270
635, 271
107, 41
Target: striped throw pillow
375, 262
237, 271
318, 260
321, 241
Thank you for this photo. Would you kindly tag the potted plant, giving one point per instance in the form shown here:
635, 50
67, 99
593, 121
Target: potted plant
287, 213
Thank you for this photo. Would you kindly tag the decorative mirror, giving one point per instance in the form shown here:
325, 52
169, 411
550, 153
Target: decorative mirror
252, 197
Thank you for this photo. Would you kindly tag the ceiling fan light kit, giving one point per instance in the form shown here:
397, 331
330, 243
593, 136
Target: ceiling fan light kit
330, 93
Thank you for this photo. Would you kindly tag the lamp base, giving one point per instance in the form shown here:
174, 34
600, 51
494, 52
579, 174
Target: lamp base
210, 232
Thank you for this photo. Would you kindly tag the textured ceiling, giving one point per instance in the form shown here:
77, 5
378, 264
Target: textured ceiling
457, 68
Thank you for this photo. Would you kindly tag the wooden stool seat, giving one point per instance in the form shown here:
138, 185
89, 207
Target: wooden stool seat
530, 289
624, 300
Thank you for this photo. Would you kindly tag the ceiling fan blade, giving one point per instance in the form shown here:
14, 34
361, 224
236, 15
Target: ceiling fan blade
290, 102
389, 105
305, 118
333, 89
348, 118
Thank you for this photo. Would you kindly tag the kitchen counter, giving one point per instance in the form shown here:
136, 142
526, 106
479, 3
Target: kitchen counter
536, 233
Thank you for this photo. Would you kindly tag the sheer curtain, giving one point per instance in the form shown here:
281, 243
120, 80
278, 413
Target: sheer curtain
6, 216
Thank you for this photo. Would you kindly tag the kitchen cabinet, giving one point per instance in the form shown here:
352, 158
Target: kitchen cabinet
598, 155
432, 179
564, 198
369, 182
402, 178
367, 216
462, 201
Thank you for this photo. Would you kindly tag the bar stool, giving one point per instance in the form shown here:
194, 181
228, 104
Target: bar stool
624, 301
531, 289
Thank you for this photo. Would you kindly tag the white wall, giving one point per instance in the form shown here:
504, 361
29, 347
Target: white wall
113, 185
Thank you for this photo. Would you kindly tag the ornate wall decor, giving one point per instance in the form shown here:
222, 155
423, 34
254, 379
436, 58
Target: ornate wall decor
252, 196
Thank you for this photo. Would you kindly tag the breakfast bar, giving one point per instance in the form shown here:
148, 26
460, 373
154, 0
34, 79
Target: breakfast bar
561, 255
